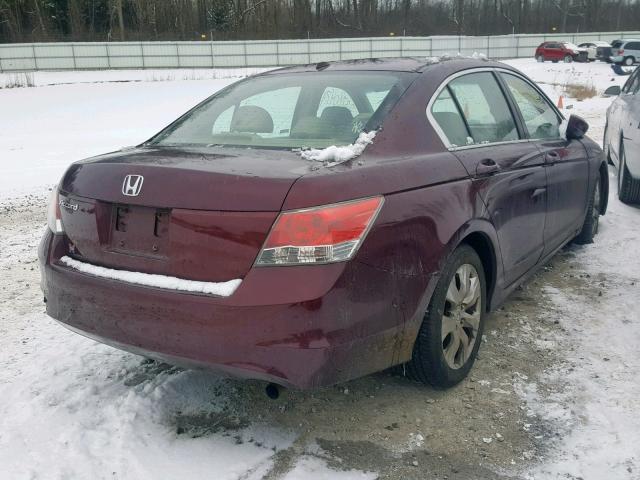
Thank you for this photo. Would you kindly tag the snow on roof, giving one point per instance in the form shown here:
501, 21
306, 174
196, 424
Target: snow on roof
334, 155
457, 56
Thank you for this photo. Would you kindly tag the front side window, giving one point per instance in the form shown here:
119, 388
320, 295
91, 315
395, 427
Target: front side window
484, 108
269, 113
333, 97
315, 109
631, 82
539, 116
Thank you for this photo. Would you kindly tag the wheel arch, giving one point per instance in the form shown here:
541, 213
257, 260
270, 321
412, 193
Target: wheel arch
481, 243
480, 235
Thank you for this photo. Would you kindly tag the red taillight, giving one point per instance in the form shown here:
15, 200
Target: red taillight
54, 216
331, 233
621, 51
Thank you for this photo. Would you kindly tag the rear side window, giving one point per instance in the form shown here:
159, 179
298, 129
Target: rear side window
448, 117
484, 108
539, 116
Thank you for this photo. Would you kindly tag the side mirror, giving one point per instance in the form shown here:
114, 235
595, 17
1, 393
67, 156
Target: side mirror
576, 127
612, 91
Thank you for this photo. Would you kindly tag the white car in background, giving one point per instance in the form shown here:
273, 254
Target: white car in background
592, 48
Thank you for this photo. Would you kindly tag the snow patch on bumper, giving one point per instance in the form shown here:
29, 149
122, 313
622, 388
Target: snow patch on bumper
221, 289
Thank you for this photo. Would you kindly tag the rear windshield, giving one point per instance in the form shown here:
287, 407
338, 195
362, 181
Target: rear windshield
315, 109
616, 44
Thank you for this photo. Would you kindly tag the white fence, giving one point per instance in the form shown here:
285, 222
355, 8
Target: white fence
103, 55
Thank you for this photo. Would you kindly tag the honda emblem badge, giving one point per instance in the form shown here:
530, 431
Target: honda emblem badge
132, 185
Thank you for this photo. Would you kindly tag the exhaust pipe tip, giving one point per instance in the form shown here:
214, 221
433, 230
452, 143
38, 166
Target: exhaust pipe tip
273, 391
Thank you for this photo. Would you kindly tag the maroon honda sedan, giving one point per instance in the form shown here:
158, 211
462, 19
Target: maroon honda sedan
314, 224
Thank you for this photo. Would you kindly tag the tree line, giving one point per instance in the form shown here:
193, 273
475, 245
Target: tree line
120, 20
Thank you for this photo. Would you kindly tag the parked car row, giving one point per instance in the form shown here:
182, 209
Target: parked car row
624, 52
224, 242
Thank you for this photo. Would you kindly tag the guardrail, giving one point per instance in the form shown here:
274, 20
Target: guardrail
203, 54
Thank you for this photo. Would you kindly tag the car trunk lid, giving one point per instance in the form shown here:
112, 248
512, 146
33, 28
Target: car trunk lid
187, 214
192, 179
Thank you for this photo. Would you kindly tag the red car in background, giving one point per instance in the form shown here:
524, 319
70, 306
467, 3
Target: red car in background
240, 238
561, 51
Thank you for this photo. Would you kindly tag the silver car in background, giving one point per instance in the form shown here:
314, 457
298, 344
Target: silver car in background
625, 52
622, 137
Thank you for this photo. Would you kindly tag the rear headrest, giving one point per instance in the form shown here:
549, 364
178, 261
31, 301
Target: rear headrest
337, 116
252, 119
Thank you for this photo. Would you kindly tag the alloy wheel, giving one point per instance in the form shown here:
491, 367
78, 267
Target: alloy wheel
461, 317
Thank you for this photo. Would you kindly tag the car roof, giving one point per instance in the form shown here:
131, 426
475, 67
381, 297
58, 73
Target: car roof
394, 64
627, 40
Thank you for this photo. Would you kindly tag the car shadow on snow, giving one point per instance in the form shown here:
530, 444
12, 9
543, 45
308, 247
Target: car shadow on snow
384, 422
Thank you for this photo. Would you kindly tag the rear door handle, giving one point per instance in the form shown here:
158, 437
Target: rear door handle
488, 166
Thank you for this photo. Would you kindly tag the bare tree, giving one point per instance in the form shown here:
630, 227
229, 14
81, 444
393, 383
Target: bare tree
35, 20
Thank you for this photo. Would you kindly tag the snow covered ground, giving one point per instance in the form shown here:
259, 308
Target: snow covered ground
74, 115
74, 409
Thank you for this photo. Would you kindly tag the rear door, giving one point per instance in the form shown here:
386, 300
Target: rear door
620, 114
617, 113
478, 125
565, 160
632, 49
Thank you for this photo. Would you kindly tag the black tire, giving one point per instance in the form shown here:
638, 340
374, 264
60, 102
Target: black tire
628, 61
592, 218
540, 58
428, 363
568, 59
628, 187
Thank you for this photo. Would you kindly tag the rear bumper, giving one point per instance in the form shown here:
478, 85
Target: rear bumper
581, 56
303, 327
